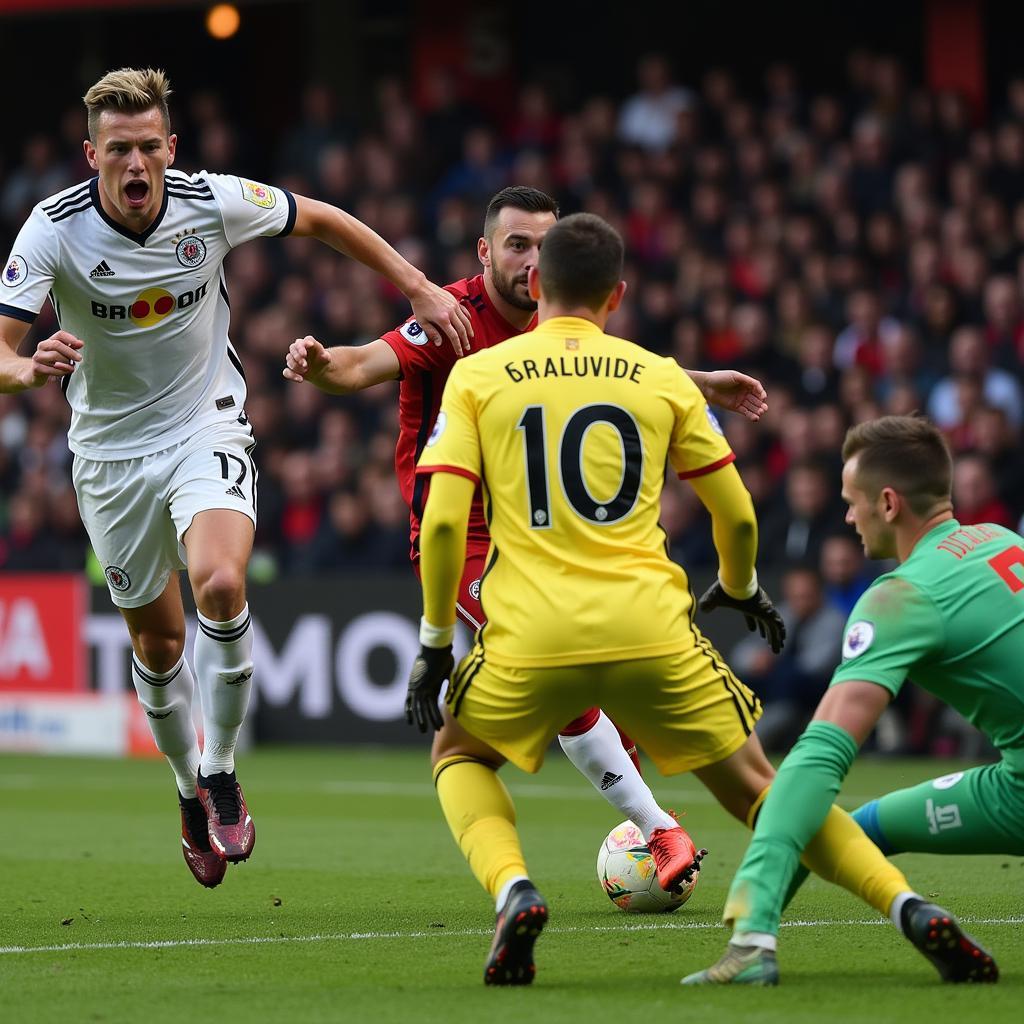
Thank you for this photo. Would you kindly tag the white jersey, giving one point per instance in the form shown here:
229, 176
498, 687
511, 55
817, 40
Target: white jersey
152, 308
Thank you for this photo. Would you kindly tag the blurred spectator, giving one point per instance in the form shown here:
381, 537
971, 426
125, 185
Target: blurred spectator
904, 365
993, 439
1004, 322
318, 128
480, 173
975, 498
301, 513
39, 175
817, 377
796, 528
790, 684
649, 116
349, 540
27, 546
862, 342
844, 571
969, 358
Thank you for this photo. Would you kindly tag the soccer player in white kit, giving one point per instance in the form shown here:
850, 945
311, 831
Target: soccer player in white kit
132, 261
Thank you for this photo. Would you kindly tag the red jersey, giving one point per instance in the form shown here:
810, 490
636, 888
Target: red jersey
424, 371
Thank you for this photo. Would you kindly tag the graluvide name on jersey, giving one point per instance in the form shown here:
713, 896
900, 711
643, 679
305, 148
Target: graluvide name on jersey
576, 366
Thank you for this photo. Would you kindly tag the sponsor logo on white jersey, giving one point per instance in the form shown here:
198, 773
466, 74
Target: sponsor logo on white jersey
149, 307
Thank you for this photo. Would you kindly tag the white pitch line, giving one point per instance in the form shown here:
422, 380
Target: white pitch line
261, 940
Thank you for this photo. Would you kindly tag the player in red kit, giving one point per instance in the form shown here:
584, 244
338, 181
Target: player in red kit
500, 308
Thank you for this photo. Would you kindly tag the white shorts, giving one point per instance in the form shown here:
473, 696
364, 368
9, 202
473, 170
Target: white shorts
136, 511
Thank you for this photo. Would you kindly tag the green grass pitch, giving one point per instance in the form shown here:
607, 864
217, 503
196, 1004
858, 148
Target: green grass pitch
356, 906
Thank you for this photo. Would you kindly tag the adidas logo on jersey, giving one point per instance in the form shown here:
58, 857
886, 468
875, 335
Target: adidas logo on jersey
101, 270
609, 780
235, 491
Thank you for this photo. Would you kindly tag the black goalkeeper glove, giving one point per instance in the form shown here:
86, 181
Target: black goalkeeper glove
758, 610
433, 665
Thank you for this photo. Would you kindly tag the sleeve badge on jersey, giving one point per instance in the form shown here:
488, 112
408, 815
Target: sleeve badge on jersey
713, 420
259, 195
439, 425
16, 271
413, 333
858, 639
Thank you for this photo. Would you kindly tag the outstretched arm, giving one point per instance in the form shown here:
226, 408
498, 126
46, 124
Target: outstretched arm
442, 558
733, 526
438, 312
732, 390
734, 531
343, 369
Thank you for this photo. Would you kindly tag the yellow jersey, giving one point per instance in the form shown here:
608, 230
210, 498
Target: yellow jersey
569, 431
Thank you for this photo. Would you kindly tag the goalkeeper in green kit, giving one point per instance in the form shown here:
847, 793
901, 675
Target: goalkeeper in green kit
951, 616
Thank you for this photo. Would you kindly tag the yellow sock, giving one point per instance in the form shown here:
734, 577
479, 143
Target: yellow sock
843, 854
480, 814
755, 807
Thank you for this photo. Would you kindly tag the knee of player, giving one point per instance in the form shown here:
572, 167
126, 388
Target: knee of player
159, 651
220, 593
449, 747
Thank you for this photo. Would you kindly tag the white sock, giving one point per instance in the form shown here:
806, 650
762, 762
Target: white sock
763, 940
506, 889
897, 907
223, 660
166, 697
600, 757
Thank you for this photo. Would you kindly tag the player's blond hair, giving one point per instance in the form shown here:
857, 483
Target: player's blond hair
131, 91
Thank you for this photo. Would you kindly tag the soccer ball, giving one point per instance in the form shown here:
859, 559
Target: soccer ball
625, 869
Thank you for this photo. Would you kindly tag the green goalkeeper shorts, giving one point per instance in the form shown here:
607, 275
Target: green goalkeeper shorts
980, 810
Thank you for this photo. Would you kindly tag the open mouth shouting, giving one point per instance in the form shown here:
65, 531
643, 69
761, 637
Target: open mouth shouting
136, 192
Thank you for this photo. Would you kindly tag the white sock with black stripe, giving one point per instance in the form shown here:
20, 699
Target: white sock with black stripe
223, 660
166, 697
599, 756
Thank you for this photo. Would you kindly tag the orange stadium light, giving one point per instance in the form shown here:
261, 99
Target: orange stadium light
222, 21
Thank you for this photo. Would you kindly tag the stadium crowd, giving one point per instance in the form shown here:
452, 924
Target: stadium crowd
862, 252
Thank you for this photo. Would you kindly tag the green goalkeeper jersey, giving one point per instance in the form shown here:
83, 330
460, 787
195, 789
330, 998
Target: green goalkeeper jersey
951, 618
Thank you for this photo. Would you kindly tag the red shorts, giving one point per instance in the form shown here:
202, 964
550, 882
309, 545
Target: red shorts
470, 611
467, 604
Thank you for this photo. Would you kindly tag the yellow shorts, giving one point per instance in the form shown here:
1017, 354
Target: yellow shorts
686, 710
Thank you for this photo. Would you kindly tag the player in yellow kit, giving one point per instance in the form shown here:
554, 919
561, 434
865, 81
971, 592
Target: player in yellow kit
569, 430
